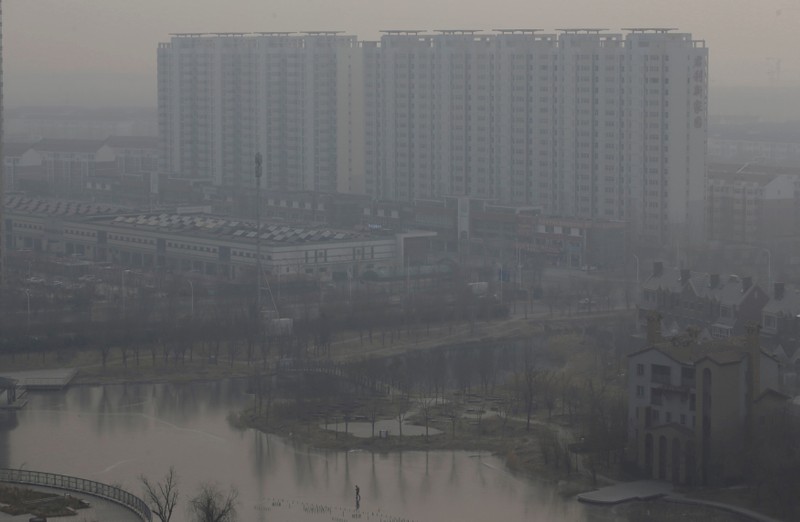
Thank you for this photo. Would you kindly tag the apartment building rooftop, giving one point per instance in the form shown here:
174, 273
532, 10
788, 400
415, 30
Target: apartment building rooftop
67, 145
221, 227
729, 289
132, 142
56, 207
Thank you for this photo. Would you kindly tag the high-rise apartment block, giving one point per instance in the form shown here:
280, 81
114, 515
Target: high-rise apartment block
224, 97
582, 123
2, 159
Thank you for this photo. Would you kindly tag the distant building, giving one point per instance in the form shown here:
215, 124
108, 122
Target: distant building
719, 306
476, 228
12, 154
134, 154
752, 203
296, 99
780, 317
582, 124
65, 166
771, 143
692, 406
119, 168
192, 241
2, 159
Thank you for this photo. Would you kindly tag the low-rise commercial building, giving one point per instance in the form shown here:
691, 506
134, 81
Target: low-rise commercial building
210, 245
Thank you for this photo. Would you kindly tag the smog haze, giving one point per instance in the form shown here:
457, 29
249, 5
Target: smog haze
103, 52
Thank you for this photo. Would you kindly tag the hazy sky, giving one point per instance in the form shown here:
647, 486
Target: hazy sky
103, 52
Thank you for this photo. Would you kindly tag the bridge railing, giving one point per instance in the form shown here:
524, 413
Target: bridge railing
98, 489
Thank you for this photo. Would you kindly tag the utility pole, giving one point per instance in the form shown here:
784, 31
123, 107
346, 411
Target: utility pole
191, 287
123, 291
258, 232
28, 295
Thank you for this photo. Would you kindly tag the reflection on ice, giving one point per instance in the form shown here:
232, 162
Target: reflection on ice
127, 431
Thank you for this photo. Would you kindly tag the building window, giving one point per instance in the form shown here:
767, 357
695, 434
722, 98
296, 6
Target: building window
655, 415
668, 416
683, 419
640, 391
769, 321
640, 369
661, 373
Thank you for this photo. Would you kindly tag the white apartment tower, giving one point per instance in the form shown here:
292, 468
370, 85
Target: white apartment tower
581, 122
224, 97
665, 115
2, 162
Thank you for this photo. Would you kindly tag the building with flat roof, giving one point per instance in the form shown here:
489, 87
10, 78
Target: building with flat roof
751, 203
2, 158
214, 246
295, 98
581, 122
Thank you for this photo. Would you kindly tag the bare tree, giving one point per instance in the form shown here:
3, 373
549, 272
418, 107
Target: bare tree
400, 408
526, 381
547, 387
162, 496
373, 407
212, 505
451, 409
505, 409
425, 405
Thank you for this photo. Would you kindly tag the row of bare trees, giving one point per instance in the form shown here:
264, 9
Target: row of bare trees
209, 504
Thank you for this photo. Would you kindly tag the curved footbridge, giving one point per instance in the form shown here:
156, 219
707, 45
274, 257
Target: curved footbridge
79, 485
54, 379
627, 491
654, 489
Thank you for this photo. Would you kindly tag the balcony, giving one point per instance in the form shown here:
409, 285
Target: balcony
661, 379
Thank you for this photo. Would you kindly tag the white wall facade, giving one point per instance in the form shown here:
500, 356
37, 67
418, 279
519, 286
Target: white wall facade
224, 97
583, 123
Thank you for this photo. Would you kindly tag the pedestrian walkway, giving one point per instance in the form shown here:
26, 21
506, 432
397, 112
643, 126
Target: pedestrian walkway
625, 491
100, 509
758, 517
652, 489
43, 379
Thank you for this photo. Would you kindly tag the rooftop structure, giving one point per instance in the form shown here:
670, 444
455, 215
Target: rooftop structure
56, 207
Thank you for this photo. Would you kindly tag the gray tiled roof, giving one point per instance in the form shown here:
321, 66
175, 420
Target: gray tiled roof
728, 291
28, 205
222, 227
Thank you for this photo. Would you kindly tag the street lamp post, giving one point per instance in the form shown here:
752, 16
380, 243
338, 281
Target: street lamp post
28, 296
123, 291
769, 268
259, 160
191, 287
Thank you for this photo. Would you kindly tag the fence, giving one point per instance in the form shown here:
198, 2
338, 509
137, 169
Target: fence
98, 489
